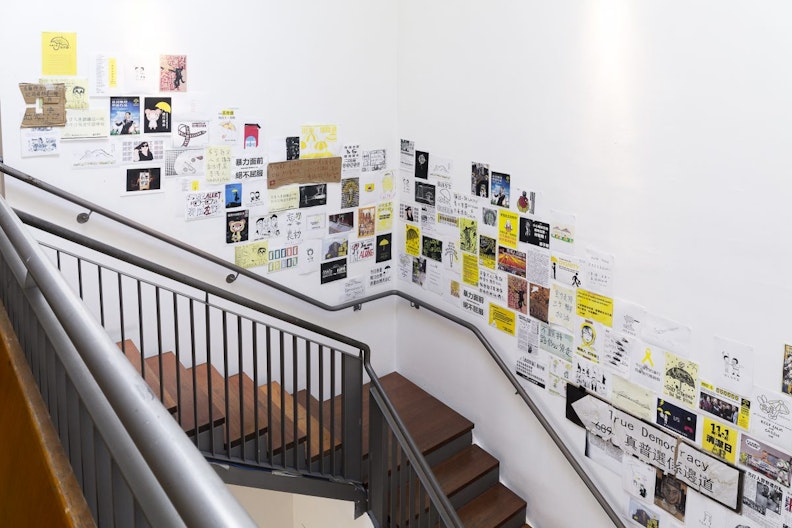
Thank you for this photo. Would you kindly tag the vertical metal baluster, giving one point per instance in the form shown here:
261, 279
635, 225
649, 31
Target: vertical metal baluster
227, 429
295, 411
208, 325
192, 370
270, 428
256, 439
282, 396
101, 296
393, 480
104, 484
158, 310
121, 307
80, 278
88, 470
321, 410
309, 437
177, 353
241, 381
140, 329
333, 359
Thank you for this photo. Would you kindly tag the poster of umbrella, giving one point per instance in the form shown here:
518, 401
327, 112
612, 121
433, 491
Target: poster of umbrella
680, 378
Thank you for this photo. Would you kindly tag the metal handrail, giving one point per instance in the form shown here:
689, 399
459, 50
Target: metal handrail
197, 493
237, 270
425, 475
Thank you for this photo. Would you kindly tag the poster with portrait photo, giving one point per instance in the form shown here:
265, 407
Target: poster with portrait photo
143, 180
142, 150
670, 494
535, 232
479, 180
500, 186
421, 165
124, 116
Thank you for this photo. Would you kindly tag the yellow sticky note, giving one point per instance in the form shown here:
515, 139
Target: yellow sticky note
58, 53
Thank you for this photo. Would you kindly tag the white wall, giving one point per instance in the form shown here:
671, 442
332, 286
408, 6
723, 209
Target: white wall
661, 125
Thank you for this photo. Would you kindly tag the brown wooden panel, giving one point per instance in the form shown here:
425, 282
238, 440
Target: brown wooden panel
37, 485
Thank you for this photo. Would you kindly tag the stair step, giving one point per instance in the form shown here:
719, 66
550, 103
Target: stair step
431, 423
498, 507
328, 419
151, 373
186, 412
467, 474
236, 416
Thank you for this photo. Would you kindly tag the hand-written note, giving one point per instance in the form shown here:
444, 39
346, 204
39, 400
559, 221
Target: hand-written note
319, 170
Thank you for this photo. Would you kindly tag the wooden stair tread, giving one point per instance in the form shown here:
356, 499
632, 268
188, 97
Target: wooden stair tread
461, 469
325, 414
151, 373
185, 414
492, 508
430, 422
306, 425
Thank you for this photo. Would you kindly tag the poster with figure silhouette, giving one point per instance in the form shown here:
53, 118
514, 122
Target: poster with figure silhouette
517, 298
535, 232
313, 195
421, 165
638, 478
233, 195
173, 73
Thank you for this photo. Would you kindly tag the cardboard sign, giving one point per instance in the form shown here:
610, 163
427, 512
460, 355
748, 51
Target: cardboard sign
320, 170
45, 105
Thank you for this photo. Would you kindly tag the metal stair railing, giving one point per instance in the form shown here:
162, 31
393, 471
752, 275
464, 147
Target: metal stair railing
594, 487
106, 418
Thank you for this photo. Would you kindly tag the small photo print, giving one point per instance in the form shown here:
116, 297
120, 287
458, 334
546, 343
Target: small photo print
147, 179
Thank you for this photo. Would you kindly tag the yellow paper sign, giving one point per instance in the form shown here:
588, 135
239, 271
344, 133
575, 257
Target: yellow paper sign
501, 318
508, 226
594, 306
719, 439
58, 53
412, 240
251, 255
470, 270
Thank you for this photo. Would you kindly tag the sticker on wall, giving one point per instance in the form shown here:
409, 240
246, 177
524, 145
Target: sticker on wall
535, 232
719, 439
412, 240
407, 155
508, 226
680, 379
562, 232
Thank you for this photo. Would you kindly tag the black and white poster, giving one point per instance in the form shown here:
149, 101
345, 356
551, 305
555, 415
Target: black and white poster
334, 270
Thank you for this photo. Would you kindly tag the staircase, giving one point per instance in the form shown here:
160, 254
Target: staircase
468, 475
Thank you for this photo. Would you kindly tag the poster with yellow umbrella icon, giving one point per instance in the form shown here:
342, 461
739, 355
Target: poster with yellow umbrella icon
157, 115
